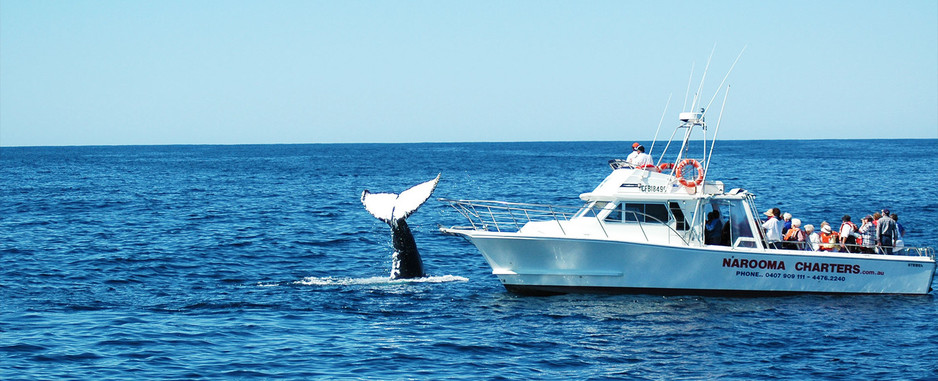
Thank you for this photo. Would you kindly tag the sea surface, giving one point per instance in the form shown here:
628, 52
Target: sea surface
256, 262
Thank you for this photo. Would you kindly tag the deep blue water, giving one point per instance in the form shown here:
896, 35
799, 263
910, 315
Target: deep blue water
260, 262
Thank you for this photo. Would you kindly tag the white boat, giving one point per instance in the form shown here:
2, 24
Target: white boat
643, 231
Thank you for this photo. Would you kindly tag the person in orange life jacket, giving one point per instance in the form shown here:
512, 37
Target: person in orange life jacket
827, 238
813, 240
847, 235
834, 233
886, 232
867, 235
794, 237
642, 160
773, 226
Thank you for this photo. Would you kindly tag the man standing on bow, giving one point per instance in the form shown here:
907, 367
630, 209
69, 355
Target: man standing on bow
886, 232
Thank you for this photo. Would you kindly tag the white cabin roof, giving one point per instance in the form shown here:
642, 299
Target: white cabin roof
626, 183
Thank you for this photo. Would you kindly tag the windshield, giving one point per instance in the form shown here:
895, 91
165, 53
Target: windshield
590, 209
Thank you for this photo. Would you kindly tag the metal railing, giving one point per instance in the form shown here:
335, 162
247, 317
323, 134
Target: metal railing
837, 247
499, 216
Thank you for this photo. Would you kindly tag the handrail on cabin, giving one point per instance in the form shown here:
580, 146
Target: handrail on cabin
502, 216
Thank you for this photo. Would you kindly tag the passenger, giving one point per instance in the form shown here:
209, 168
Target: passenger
900, 243
725, 235
827, 238
833, 233
848, 235
787, 218
714, 234
773, 227
876, 217
886, 232
794, 238
813, 241
867, 235
643, 160
634, 153
899, 226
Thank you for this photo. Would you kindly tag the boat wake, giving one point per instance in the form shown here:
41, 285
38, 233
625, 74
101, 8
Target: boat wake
373, 281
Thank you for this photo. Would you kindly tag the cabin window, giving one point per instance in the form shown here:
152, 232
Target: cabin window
636, 212
681, 223
738, 225
591, 209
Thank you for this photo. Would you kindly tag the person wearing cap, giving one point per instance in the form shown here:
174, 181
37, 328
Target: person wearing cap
642, 160
813, 241
848, 239
629, 159
773, 227
867, 235
886, 232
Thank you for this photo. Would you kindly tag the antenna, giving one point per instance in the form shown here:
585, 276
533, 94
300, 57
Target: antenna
719, 119
725, 77
693, 105
689, 80
660, 158
659, 124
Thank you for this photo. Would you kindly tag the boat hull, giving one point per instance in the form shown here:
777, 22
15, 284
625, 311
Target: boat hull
539, 265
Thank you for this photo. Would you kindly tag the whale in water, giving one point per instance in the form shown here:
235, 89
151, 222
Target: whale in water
393, 209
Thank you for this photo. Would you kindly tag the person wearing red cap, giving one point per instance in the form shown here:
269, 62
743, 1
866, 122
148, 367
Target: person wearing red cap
631, 158
642, 160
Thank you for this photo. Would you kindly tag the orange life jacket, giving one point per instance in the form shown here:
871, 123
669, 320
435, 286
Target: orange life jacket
793, 235
826, 242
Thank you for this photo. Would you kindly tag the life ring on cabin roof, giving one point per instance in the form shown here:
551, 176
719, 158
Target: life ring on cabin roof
680, 169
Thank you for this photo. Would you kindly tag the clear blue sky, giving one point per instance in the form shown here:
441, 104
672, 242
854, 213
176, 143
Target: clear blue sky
231, 72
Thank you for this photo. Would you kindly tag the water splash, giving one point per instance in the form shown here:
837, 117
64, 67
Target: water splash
372, 281
376, 281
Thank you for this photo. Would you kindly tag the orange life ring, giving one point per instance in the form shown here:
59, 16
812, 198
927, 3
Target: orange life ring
665, 166
684, 182
649, 167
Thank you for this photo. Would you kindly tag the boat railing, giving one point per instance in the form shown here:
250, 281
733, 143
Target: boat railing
861, 249
499, 216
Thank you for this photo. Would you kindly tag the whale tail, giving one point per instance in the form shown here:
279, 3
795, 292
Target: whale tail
394, 209
390, 207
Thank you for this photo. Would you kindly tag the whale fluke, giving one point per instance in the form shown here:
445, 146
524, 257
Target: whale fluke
393, 209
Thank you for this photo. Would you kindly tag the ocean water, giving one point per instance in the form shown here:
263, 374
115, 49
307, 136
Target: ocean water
255, 262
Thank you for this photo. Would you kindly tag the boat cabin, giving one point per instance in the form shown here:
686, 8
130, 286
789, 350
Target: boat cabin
648, 206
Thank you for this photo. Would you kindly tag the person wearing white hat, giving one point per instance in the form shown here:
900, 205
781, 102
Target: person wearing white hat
794, 237
773, 226
827, 239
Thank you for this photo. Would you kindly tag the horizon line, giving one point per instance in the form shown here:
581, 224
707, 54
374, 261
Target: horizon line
425, 142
